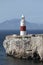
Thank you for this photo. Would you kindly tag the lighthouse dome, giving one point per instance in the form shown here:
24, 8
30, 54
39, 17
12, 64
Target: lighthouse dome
23, 16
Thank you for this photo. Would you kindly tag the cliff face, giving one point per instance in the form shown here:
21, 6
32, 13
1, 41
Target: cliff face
23, 47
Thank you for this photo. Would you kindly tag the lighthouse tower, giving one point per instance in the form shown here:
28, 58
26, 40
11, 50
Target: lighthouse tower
22, 26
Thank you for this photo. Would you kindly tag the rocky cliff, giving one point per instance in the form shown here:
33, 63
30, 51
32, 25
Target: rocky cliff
24, 46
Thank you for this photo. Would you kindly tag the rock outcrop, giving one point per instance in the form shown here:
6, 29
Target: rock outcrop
24, 46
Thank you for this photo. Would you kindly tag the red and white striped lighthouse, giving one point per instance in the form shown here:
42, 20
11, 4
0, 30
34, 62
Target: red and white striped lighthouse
22, 26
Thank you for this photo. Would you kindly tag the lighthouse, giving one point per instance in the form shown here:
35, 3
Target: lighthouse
22, 26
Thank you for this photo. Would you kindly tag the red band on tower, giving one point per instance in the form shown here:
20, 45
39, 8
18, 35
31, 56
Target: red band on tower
22, 28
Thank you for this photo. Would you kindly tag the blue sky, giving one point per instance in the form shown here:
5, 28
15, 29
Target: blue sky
31, 9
